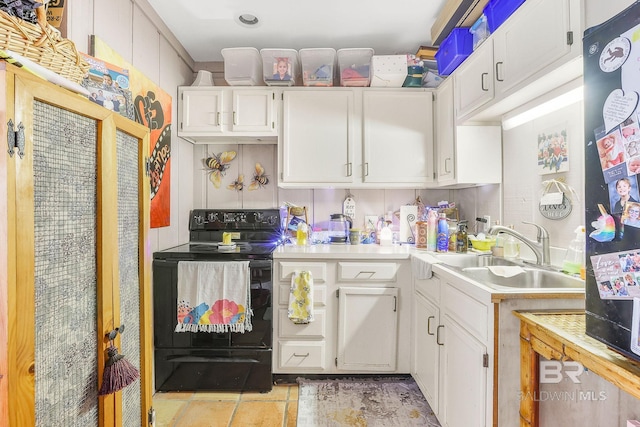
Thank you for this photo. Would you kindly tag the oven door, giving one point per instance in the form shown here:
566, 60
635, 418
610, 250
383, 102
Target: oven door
165, 296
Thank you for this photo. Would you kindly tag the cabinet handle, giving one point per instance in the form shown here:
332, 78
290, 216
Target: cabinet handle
349, 169
234, 118
300, 355
482, 76
370, 273
446, 165
395, 304
218, 118
498, 64
429, 325
438, 335
366, 169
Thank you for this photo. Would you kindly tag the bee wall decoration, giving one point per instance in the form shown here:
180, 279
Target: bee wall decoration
238, 184
218, 165
260, 180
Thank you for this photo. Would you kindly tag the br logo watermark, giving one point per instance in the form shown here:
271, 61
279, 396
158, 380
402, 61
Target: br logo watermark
554, 372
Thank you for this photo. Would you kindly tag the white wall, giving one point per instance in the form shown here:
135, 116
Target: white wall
134, 31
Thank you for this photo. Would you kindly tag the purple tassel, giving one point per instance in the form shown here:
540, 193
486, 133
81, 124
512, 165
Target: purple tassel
118, 372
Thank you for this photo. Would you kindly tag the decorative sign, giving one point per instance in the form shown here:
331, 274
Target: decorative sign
552, 208
349, 207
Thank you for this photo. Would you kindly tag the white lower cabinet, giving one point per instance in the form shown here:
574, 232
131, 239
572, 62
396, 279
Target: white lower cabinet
426, 351
367, 316
362, 318
451, 362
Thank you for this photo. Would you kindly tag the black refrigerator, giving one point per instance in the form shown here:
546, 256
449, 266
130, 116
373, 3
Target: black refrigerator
612, 164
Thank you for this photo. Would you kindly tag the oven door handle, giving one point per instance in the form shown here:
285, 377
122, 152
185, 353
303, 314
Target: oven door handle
210, 359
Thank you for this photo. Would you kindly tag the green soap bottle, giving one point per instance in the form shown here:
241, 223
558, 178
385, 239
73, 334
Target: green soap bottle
462, 243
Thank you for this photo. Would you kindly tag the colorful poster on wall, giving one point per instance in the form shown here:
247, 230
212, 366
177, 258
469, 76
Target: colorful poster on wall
152, 108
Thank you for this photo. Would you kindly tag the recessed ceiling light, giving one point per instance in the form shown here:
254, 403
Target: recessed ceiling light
248, 19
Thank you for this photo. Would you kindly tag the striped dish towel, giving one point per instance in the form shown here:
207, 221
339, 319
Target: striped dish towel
301, 298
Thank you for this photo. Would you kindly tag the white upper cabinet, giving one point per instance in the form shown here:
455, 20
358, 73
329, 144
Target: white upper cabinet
398, 137
466, 155
536, 50
209, 114
357, 138
317, 137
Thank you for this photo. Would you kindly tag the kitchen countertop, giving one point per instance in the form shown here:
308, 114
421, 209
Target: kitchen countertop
409, 252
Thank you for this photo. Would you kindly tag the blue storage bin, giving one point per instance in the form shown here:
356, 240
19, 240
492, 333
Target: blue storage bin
497, 11
453, 50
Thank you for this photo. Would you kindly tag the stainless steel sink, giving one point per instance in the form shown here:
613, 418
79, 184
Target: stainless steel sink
529, 278
472, 260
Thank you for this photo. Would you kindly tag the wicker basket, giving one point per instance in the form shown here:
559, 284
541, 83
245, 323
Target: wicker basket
42, 44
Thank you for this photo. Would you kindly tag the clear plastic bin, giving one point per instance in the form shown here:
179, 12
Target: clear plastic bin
318, 66
480, 31
355, 66
280, 67
242, 66
388, 70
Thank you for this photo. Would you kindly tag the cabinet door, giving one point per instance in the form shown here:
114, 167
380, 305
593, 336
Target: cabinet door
474, 84
253, 111
80, 269
398, 137
445, 132
317, 136
367, 329
426, 354
201, 111
463, 376
524, 46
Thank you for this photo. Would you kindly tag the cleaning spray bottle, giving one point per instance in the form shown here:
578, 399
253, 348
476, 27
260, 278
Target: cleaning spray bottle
574, 260
432, 230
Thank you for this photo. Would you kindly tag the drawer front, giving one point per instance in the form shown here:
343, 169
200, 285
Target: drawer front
368, 272
319, 294
315, 329
469, 312
303, 355
318, 270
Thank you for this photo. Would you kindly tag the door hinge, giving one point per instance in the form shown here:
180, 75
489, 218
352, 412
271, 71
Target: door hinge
485, 360
15, 138
151, 419
569, 38
338, 293
180, 125
147, 166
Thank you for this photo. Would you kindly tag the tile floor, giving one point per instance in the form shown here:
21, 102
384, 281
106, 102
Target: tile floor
278, 408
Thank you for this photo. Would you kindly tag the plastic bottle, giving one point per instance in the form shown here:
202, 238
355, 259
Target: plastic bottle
574, 260
302, 233
462, 242
498, 247
443, 234
511, 246
386, 235
432, 230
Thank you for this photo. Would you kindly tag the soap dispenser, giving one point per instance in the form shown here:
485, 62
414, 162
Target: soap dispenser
574, 260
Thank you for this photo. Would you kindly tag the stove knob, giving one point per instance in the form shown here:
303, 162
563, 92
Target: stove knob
198, 219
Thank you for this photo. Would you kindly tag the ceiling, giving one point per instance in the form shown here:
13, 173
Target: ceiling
204, 27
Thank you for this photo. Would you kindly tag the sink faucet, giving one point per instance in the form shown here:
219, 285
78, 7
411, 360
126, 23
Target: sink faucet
540, 247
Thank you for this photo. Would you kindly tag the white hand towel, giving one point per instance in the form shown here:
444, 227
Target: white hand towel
214, 296
506, 270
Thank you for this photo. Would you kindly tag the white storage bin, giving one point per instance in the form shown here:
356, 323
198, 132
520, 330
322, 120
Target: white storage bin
318, 66
280, 67
242, 66
355, 66
388, 70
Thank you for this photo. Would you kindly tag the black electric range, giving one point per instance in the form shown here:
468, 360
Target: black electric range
228, 361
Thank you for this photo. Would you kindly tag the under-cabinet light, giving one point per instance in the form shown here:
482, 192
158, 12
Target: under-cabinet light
555, 100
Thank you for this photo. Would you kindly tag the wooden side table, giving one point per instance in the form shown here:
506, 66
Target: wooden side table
561, 336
